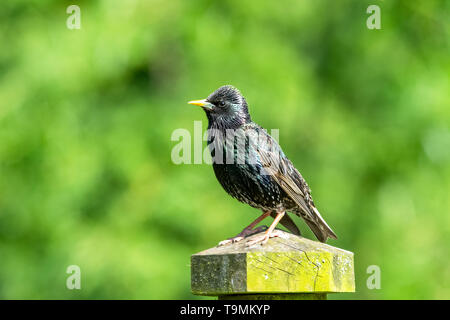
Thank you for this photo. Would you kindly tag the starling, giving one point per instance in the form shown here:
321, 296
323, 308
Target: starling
251, 167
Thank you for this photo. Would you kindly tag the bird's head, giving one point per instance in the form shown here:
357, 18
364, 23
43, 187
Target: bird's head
225, 106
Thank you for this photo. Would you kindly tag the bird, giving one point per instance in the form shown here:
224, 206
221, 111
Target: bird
251, 167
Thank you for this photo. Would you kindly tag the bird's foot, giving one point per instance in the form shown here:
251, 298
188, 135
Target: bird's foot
230, 240
242, 235
263, 238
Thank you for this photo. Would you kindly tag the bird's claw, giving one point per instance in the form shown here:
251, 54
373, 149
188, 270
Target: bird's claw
241, 236
262, 239
231, 240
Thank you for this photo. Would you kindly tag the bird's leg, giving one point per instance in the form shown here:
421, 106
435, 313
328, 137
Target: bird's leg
269, 233
248, 230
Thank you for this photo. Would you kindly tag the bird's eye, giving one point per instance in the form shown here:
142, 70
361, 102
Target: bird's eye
221, 103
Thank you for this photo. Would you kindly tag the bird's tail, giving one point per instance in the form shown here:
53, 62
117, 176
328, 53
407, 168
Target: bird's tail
319, 227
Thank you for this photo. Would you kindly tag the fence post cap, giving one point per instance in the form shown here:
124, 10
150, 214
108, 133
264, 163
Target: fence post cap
284, 265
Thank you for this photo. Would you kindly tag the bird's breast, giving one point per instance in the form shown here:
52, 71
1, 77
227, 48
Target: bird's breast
238, 168
248, 185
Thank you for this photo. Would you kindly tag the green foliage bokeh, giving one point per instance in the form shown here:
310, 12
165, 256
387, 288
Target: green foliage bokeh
86, 118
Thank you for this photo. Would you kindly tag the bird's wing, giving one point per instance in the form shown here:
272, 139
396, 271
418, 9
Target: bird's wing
281, 169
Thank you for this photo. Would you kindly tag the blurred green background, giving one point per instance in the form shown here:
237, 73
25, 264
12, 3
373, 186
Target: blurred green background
86, 118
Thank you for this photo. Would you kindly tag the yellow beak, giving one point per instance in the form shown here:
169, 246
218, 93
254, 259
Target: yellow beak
200, 103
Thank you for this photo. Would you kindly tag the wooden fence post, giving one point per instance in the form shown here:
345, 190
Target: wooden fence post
286, 267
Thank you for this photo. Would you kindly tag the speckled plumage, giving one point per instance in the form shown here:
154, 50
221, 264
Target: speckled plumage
251, 166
